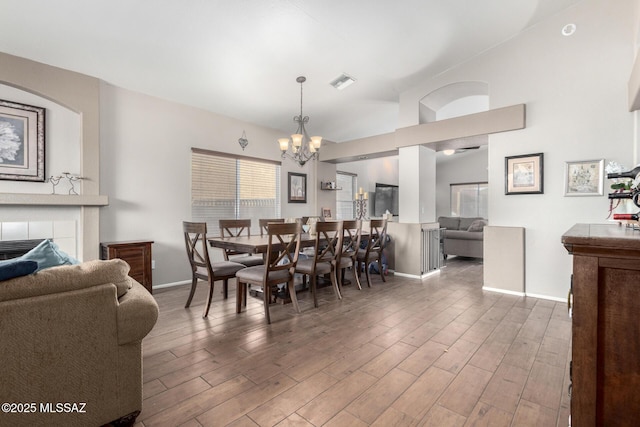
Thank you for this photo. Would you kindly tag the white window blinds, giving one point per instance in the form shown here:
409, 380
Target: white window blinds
469, 200
230, 187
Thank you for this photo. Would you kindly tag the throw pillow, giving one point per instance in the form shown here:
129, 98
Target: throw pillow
477, 225
449, 222
15, 268
47, 254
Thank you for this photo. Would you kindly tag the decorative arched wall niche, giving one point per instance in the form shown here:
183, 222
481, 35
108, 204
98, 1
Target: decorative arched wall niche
63, 128
454, 100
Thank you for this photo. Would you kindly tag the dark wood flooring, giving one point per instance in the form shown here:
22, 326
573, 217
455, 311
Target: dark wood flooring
433, 352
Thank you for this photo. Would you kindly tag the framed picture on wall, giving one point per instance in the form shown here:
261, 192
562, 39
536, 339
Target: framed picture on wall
297, 187
584, 178
524, 174
21, 142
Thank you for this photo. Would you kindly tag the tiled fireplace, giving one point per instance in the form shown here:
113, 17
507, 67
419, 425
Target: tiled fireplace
63, 233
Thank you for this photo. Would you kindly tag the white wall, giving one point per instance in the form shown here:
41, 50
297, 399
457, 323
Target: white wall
145, 170
467, 167
463, 106
384, 170
575, 89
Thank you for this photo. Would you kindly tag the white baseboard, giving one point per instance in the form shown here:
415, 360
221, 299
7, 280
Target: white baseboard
503, 291
414, 276
172, 284
523, 294
547, 297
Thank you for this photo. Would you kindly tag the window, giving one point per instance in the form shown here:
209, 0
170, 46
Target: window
470, 200
346, 182
231, 187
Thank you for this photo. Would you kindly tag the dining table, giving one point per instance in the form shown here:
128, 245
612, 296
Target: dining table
255, 244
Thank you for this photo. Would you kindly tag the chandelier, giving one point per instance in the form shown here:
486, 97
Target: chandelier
303, 147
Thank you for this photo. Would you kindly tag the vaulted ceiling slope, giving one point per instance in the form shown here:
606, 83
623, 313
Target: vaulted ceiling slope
241, 58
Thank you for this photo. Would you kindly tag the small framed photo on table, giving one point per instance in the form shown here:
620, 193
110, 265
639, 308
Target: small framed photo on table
524, 174
326, 213
584, 178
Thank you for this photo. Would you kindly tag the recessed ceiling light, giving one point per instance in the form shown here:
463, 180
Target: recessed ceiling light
568, 30
448, 152
342, 81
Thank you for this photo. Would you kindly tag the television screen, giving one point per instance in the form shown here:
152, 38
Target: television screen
385, 199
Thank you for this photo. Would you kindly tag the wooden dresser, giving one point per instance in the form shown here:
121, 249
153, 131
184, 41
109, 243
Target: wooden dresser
606, 325
136, 253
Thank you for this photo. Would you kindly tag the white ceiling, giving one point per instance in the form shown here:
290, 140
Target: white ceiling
240, 58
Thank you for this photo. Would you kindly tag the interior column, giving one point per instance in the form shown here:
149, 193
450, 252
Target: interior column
417, 182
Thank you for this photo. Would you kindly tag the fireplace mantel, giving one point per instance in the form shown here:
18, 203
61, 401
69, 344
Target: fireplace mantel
25, 199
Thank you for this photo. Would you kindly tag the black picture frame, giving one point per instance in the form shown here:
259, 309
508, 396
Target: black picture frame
524, 174
297, 188
22, 128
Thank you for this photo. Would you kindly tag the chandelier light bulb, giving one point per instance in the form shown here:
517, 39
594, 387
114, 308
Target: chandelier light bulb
297, 140
284, 144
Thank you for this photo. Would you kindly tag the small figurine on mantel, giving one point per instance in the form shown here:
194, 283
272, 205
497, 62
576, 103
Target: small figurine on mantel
72, 179
55, 180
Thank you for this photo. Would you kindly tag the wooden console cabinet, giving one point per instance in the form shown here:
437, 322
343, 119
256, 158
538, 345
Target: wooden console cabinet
605, 325
136, 253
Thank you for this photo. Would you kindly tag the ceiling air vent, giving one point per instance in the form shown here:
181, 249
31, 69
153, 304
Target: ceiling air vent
342, 81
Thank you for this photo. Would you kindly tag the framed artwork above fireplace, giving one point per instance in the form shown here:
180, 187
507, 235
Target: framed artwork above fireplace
22, 142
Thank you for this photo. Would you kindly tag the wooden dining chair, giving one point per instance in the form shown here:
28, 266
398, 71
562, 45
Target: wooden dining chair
236, 228
326, 255
195, 239
351, 235
263, 222
281, 260
375, 246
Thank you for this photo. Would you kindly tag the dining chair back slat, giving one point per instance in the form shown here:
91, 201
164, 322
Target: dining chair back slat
352, 234
195, 239
375, 245
264, 222
281, 259
327, 250
237, 228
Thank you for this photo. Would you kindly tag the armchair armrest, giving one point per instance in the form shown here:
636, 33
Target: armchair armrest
137, 313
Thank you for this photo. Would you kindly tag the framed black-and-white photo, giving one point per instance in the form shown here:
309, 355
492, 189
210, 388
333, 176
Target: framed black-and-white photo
524, 174
21, 142
584, 178
297, 187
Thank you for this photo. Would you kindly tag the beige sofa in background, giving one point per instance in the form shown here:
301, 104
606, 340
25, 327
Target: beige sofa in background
462, 236
71, 345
